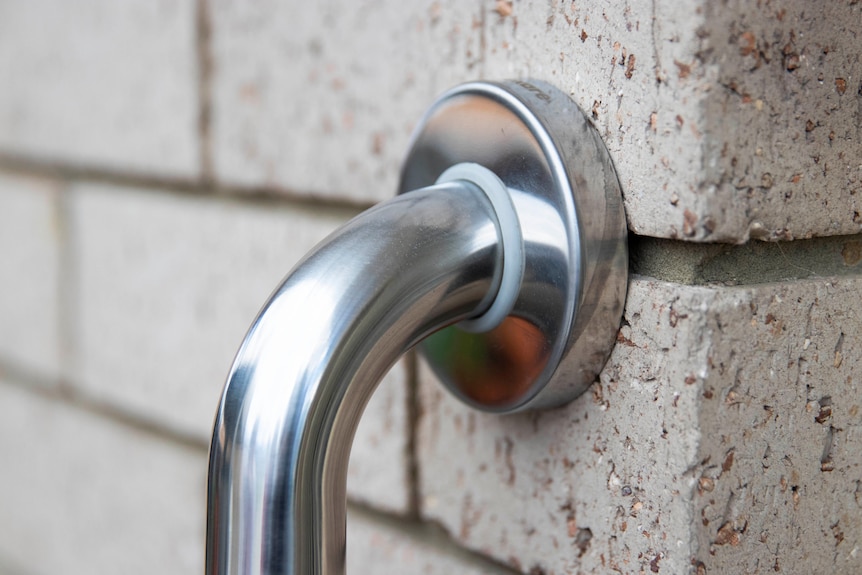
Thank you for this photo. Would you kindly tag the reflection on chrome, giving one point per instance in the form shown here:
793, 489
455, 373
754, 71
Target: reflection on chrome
312, 360
409, 270
547, 231
495, 369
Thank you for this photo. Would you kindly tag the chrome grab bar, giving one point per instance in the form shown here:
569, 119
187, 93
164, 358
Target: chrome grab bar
511, 275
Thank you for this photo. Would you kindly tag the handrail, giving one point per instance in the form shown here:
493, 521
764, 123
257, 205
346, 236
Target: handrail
508, 264
309, 364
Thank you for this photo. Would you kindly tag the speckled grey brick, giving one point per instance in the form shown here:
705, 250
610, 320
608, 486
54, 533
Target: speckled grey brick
29, 274
82, 494
320, 98
783, 118
617, 60
780, 459
601, 484
382, 548
101, 83
705, 115
699, 446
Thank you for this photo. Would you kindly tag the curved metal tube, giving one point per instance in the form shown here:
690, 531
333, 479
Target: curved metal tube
313, 357
528, 239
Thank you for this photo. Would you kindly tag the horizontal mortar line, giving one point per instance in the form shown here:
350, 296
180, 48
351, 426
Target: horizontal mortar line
676, 261
260, 195
752, 263
430, 534
57, 391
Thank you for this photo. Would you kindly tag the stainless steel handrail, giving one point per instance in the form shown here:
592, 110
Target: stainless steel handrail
313, 358
527, 240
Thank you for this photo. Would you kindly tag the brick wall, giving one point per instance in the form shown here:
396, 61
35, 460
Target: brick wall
163, 164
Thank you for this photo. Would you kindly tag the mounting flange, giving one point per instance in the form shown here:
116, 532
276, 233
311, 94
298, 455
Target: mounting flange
563, 324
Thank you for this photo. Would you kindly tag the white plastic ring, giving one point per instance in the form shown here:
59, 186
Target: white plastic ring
510, 236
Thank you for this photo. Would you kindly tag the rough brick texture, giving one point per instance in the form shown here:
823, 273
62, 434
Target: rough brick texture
290, 74
783, 122
164, 164
101, 83
598, 485
722, 435
315, 98
780, 459
727, 120
84, 494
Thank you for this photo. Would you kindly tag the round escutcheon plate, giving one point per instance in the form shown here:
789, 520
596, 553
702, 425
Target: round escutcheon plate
567, 197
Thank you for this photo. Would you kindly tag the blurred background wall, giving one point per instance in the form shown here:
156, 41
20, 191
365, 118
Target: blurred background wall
164, 163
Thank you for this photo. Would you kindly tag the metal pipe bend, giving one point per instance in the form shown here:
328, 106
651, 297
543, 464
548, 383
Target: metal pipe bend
313, 357
400, 272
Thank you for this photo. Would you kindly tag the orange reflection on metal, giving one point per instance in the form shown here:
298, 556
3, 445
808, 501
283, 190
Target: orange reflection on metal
497, 368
